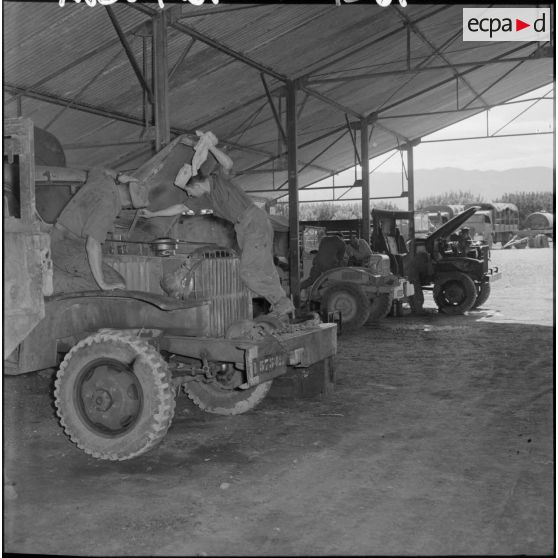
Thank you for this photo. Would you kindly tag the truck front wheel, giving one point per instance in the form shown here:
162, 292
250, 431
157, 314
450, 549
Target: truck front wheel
114, 396
454, 293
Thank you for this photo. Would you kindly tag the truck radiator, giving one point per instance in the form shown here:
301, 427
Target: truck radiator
216, 277
213, 275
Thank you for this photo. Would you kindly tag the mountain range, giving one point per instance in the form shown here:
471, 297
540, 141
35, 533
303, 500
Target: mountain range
490, 184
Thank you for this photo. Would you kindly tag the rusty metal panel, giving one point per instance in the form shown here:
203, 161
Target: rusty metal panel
27, 277
141, 273
28, 269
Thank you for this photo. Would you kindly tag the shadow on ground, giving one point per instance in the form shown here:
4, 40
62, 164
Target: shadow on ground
438, 439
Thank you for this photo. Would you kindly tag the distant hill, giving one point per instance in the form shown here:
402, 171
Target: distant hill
488, 184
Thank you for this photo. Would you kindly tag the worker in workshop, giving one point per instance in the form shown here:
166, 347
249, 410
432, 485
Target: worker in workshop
464, 240
253, 228
331, 253
358, 251
83, 226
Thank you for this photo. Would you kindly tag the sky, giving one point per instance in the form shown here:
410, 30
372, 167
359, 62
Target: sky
478, 154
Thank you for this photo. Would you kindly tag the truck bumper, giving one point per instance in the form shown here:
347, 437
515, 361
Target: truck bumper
265, 359
493, 274
399, 289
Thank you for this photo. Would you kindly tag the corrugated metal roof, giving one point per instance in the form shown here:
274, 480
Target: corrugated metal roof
77, 79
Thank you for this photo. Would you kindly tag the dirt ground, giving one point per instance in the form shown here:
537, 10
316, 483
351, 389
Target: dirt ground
437, 440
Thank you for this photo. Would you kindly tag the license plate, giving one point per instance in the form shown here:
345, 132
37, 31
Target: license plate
270, 365
495, 276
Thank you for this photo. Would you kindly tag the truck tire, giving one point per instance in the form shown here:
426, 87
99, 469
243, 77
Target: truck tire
379, 307
114, 396
219, 400
454, 293
483, 292
351, 303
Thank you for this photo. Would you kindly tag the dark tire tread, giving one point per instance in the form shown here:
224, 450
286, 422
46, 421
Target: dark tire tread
162, 392
213, 399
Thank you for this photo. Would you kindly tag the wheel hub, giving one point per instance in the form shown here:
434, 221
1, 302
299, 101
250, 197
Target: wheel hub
109, 396
454, 293
344, 304
103, 400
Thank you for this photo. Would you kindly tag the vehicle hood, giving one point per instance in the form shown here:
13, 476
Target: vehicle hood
452, 225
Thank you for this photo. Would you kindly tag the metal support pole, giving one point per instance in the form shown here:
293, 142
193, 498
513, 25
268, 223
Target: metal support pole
161, 80
364, 162
294, 251
411, 186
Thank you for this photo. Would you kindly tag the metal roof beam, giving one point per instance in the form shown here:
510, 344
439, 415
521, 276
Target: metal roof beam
329, 146
85, 58
393, 132
441, 83
306, 144
181, 58
129, 53
129, 119
501, 78
114, 115
245, 125
490, 137
197, 12
386, 73
274, 110
353, 139
424, 62
302, 105
518, 115
331, 102
160, 80
435, 49
460, 110
81, 91
194, 33
348, 110
357, 48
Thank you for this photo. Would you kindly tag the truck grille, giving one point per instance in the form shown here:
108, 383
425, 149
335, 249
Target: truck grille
214, 275
217, 278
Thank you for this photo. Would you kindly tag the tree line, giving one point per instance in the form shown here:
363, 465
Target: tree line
526, 202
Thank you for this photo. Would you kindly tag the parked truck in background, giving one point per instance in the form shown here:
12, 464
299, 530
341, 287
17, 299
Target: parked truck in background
504, 219
459, 280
